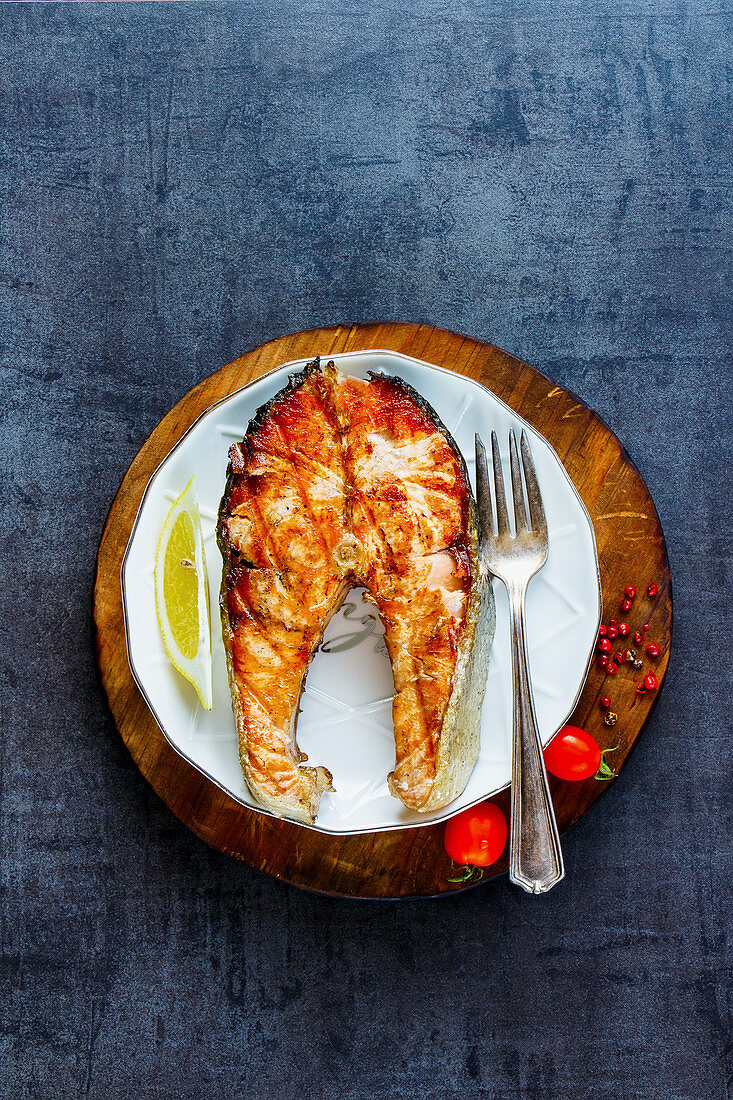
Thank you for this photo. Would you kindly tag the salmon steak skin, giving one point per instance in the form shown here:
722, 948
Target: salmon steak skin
342, 482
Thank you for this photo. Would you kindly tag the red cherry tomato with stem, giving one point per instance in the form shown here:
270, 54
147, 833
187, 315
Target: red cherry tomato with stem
573, 754
477, 836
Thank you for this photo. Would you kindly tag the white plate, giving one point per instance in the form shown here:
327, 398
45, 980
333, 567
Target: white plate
345, 721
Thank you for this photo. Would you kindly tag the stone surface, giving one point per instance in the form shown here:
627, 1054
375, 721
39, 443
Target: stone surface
181, 182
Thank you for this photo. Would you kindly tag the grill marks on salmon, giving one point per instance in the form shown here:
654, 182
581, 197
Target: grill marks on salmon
409, 511
281, 520
339, 482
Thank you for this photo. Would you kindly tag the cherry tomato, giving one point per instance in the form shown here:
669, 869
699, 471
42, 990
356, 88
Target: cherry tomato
572, 754
477, 836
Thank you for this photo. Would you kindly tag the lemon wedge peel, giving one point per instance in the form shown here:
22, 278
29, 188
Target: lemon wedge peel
182, 594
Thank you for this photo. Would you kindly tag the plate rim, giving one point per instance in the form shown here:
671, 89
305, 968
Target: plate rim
296, 363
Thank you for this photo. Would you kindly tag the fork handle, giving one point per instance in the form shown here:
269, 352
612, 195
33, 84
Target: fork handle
535, 856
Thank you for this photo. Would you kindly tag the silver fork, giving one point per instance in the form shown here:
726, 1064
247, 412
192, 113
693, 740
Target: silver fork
535, 856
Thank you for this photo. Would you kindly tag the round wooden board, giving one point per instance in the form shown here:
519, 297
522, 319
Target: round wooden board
411, 862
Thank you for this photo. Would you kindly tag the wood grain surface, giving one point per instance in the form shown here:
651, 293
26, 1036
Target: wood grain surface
631, 550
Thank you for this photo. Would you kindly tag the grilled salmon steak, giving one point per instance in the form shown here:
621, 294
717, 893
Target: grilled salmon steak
340, 482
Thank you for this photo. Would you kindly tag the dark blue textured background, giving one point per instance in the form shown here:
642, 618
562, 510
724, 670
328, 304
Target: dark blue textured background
181, 182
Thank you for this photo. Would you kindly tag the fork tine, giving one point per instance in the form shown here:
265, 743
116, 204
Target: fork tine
502, 516
483, 494
520, 513
534, 497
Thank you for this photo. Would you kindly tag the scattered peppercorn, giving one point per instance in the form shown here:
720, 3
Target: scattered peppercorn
601, 630
652, 590
645, 627
611, 668
611, 719
653, 649
638, 663
630, 591
625, 604
623, 629
650, 681
639, 637
605, 702
605, 646
612, 632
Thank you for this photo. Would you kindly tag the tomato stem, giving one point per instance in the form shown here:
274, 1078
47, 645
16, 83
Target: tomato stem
464, 873
605, 772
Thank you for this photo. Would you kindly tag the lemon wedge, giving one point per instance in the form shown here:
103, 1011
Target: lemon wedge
182, 594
